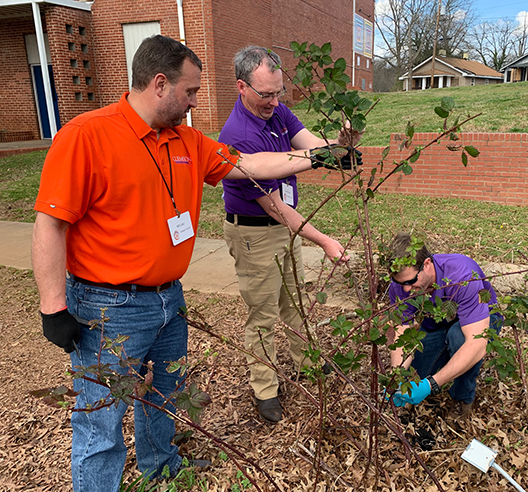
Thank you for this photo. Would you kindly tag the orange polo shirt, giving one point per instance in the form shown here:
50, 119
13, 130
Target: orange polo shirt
100, 177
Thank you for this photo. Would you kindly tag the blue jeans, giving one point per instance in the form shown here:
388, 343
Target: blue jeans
157, 333
438, 348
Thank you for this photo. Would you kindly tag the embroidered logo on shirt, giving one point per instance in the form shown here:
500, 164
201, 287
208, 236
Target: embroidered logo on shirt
177, 159
284, 131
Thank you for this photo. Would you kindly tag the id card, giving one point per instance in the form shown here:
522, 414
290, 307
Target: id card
180, 228
287, 194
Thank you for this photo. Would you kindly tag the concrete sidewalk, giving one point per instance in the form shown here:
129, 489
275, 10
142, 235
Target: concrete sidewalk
211, 270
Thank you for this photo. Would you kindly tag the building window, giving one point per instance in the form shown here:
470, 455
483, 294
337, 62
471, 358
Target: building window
69, 28
82, 31
88, 80
78, 96
86, 64
73, 63
358, 61
368, 63
84, 48
76, 79
71, 46
91, 96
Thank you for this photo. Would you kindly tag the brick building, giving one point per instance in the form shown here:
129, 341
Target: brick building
88, 48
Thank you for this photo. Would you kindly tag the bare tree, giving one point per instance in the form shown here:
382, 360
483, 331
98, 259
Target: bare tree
408, 30
399, 22
520, 42
494, 43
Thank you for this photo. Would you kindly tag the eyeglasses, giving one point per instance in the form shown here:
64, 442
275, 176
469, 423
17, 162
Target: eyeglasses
270, 95
413, 280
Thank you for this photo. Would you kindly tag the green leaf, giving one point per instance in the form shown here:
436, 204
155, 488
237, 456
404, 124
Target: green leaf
472, 151
340, 64
464, 159
326, 49
447, 103
364, 104
322, 297
406, 169
484, 296
414, 157
385, 152
409, 131
441, 112
449, 308
370, 193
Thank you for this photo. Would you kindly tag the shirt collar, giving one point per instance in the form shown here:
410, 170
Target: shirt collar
138, 124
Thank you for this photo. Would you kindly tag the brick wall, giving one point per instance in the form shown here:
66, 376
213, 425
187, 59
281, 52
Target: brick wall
237, 24
18, 110
71, 41
215, 30
297, 20
109, 45
499, 174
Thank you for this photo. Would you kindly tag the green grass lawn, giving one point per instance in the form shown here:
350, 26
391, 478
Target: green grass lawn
480, 229
504, 108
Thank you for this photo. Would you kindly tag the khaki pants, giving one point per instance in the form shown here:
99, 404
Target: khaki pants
261, 287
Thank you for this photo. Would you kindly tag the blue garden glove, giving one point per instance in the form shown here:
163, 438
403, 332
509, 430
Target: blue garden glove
419, 392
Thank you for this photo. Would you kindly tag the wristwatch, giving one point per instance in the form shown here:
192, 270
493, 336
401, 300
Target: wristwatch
435, 389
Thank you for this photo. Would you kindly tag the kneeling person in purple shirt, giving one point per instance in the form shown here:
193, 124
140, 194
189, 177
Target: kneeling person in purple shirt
255, 225
451, 353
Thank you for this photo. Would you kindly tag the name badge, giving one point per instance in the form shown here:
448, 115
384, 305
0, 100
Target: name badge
287, 194
180, 228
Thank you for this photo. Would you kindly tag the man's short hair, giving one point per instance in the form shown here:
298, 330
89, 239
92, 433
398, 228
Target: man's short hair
249, 59
160, 54
401, 248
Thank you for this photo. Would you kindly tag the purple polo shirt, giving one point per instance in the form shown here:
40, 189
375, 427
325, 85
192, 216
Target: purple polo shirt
250, 134
451, 269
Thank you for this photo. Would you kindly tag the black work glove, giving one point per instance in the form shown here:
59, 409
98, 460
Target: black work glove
326, 157
62, 329
359, 160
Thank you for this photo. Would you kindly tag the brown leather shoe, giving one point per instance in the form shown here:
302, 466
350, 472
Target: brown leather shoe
459, 410
270, 410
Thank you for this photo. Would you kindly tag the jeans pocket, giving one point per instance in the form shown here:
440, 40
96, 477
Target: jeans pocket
92, 301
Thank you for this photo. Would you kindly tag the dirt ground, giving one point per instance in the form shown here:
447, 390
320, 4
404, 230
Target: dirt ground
35, 439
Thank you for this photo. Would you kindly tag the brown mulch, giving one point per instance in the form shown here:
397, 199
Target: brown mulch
35, 439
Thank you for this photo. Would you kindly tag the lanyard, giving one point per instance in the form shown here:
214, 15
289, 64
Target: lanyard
170, 190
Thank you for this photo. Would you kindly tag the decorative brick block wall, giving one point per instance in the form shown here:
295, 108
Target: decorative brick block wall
499, 174
71, 41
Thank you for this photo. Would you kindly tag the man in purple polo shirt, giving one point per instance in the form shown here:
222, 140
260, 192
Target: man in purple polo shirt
451, 353
256, 225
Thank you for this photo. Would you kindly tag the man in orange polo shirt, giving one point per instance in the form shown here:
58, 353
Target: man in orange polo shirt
117, 208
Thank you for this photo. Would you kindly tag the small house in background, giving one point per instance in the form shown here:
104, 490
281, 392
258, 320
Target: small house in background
516, 71
450, 72
87, 47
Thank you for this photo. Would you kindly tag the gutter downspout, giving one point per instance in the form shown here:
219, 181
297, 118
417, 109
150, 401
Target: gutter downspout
354, 44
44, 67
181, 28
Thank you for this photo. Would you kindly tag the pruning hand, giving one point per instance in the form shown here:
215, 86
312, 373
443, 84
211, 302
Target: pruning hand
327, 157
419, 392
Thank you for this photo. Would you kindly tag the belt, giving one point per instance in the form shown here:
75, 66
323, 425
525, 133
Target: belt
126, 287
251, 220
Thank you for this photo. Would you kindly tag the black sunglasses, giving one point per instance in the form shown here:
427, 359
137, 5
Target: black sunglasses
412, 280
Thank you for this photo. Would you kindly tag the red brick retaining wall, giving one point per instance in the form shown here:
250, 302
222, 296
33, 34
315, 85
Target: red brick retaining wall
499, 174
